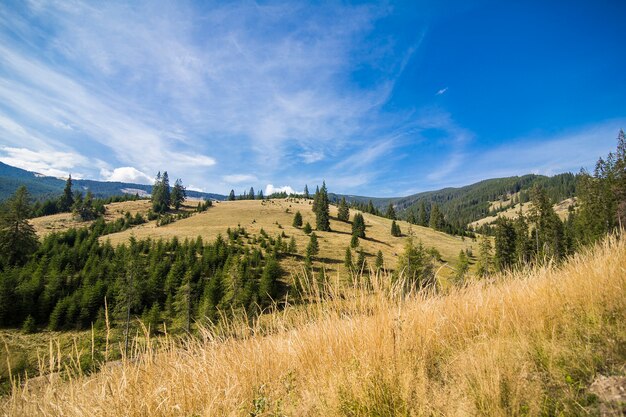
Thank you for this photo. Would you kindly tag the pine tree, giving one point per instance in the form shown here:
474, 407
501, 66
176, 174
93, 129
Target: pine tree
17, 236
251, 193
231, 196
361, 262
505, 244
293, 249
322, 215
391, 212
313, 248
179, 194
307, 228
395, 229
380, 261
347, 260
358, 226
484, 265
306, 192
297, 219
354, 241
435, 218
462, 267
370, 208
316, 198
343, 211
67, 199
415, 265
422, 215
268, 284
260, 197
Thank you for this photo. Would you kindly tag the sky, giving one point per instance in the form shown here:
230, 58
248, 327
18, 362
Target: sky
379, 99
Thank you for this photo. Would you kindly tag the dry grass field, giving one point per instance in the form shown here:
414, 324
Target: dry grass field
276, 217
561, 209
523, 344
59, 222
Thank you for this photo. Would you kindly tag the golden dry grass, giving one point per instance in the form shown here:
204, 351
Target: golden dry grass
63, 221
276, 216
527, 343
561, 209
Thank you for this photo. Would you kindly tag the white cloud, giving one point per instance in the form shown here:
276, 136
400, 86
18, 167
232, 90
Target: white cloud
312, 156
192, 187
270, 189
239, 178
128, 174
441, 92
52, 163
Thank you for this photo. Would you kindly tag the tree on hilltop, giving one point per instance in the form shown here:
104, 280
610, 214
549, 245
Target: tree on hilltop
17, 236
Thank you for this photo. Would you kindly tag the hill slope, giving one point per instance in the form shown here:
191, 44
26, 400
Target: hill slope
528, 344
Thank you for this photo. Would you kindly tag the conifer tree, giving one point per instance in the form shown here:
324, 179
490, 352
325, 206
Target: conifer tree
17, 236
307, 228
391, 212
293, 249
422, 215
415, 265
251, 193
347, 260
343, 211
462, 267
361, 262
268, 284
505, 244
321, 204
231, 196
313, 248
306, 192
67, 199
179, 194
484, 264
297, 219
395, 229
436, 217
260, 197
380, 261
354, 241
370, 208
358, 226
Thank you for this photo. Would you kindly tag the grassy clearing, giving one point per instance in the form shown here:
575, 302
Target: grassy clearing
276, 217
63, 221
528, 343
561, 209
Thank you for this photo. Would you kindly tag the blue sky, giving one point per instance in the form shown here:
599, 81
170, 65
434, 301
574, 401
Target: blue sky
379, 99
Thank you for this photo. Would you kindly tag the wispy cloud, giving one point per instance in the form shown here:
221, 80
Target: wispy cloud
239, 178
127, 174
55, 164
182, 87
270, 189
442, 91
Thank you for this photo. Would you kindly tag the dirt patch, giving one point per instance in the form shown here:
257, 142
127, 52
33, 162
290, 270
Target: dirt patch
611, 390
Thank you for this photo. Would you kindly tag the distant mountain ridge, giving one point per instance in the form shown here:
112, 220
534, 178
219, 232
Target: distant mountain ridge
41, 187
460, 206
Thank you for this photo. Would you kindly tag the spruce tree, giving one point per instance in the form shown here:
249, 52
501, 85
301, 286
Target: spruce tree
297, 219
436, 217
391, 212
347, 260
415, 265
321, 204
358, 226
307, 228
395, 229
231, 196
380, 261
268, 284
17, 236
484, 265
505, 241
67, 199
179, 194
422, 215
293, 249
313, 248
361, 263
251, 193
306, 192
343, 211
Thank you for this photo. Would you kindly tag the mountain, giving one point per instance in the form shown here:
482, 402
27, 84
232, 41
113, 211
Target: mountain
42, 187
464, 205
